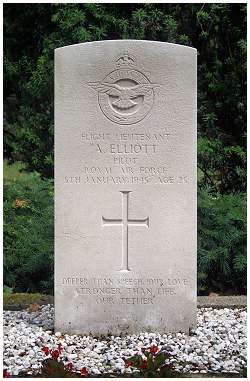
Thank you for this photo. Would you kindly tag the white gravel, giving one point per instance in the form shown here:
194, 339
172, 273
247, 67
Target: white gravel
217, 345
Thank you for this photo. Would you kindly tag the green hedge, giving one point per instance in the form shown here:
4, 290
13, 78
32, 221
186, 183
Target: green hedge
28, 234
222, 250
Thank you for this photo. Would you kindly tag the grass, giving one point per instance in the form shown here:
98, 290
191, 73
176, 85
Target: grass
23, 300
12, 172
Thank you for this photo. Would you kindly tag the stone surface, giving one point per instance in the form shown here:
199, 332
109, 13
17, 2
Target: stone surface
125, 154
222, 301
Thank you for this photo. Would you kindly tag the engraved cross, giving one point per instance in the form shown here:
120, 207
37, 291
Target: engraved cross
125, 222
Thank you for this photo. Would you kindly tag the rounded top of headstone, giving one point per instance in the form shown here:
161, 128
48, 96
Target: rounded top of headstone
128, 41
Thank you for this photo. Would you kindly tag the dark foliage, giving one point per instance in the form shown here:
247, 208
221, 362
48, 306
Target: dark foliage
28, 234
222, 257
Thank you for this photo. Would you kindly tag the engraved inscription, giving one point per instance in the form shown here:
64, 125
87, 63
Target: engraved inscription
127, 157
125, 222
72, 179
129, 291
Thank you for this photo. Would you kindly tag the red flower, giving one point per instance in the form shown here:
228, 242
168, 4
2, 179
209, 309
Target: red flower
69, 366
129, 363
144, 364
55, 354
46, 350
154, 349
84, 371
5, 374
59, 347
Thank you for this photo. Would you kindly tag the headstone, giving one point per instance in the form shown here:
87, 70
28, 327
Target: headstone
125, 170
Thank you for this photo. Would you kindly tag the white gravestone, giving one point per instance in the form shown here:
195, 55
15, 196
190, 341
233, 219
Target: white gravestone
125, 169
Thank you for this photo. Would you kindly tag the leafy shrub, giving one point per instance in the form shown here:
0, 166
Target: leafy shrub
28, 234
152, 364
222, 256
54, 367
7, 290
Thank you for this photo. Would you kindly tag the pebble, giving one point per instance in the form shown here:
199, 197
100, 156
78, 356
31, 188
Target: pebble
217, 345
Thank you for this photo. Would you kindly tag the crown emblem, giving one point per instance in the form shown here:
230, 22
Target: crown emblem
125, 60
